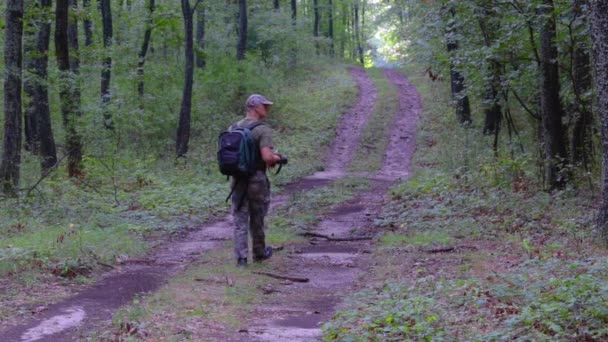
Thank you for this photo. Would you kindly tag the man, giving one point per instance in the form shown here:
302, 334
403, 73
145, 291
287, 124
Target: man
251, 196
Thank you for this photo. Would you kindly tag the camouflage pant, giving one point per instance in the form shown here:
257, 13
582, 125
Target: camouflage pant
249, 217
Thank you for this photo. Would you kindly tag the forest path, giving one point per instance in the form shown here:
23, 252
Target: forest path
297, 311
333, 267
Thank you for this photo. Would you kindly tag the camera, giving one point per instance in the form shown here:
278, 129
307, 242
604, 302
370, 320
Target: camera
283, 160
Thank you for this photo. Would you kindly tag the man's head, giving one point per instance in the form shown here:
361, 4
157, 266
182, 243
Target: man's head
258, 105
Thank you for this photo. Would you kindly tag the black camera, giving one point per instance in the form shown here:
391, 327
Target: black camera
283, 160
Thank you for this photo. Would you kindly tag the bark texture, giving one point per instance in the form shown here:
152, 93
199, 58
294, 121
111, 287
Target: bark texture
553, 132
106, 71
13, 64
200, 36
463, 108
331, 29
67, 90
358, 33
143, 52
241, 46
581, 145
317, 20
38, 128
490, 27
88, 24
599, 33
183, 129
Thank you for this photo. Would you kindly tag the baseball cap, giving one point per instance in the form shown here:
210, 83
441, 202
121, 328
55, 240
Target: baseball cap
256, 99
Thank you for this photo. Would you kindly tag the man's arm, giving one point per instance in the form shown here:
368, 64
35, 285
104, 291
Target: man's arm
269, 157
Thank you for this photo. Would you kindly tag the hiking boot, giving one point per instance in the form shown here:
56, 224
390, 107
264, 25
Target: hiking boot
241, 262
267, 254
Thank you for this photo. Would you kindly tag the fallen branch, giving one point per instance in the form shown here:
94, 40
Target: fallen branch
105, 265
440, 250
283, 277
329, 238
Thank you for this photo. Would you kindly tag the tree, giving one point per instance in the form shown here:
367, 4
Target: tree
553, 133
357, 32
317, 21
68, 90
489, 25
331, 28
141, 58
183, 128
581, 145
106, 71
599, 33
88, 24
463, 109
200, 37
38, 129
13, 61
241, 46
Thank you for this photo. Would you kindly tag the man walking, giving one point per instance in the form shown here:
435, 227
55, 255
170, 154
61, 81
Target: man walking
251, 195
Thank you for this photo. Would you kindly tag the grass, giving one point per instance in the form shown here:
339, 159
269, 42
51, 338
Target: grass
526, 267
375, 137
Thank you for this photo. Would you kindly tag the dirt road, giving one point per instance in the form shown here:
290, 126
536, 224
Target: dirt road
298, 310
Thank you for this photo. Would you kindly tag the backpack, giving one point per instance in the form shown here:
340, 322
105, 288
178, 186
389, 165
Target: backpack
238, 154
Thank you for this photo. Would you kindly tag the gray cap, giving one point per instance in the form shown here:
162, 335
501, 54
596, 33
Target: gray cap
256, 100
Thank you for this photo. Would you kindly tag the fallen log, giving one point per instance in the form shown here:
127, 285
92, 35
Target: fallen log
283, 277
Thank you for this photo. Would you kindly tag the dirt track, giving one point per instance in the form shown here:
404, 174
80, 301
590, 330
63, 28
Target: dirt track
298, 310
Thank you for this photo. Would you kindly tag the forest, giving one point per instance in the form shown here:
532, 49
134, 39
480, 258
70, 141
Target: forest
446, 181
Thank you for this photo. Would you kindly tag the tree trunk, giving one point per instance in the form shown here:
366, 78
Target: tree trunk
31, 79
73, 37
183, 129
599, 33
581, 145
331, 29
275, 4
490, 26
242, 39
554, 140
106, 72
358, 33
88, 24
37, 112
200, 37
66, 89
463, 108
143, 52
294, 12
317, 20
13, 65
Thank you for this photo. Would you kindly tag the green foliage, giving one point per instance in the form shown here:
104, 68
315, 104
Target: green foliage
392, 314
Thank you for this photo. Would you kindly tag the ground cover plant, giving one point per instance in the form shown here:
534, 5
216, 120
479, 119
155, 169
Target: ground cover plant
470, 249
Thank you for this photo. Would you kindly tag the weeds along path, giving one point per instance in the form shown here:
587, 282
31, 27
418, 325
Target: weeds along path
94, 306
337, 256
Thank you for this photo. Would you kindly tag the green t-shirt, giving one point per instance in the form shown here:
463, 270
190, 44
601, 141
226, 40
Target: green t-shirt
261, 134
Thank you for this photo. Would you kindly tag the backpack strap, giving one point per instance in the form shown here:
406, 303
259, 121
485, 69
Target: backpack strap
254, 125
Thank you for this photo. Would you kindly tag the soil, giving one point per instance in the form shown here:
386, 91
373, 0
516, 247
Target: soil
297, 311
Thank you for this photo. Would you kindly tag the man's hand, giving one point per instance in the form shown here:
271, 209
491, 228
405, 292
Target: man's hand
269, 157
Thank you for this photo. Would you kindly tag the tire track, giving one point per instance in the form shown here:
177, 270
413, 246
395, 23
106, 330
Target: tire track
297, 311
